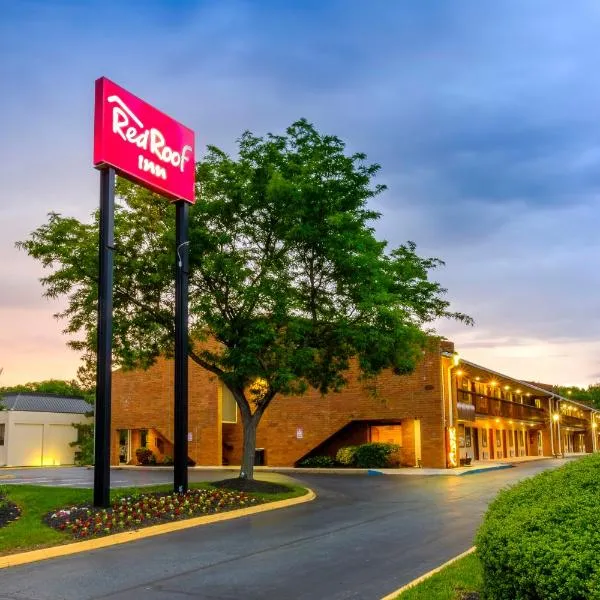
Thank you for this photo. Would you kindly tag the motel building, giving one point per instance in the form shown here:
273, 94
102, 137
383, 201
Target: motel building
448, 413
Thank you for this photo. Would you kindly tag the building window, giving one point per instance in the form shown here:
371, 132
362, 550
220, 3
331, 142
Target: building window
2, 426
484, 438
229, 406
511, 437
144, 438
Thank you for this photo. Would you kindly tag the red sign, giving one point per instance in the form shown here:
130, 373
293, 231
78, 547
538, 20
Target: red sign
142, 143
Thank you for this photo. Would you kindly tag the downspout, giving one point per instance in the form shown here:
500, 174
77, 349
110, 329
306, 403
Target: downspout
558, 421
551, 425
451, 428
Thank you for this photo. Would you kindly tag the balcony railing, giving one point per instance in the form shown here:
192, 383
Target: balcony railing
575, 422
496, 407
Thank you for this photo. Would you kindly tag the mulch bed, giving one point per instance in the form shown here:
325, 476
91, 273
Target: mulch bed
251, 485
9, 511
153, 508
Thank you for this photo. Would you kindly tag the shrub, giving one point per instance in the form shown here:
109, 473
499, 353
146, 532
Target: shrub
318, 461
540, 539
145, 456
346, 456
376, 455
167, 460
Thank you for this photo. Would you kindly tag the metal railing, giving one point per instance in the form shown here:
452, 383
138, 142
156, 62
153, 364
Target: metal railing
497, 407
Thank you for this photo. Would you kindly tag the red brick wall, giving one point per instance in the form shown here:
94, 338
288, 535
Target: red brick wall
144, 399
389, 396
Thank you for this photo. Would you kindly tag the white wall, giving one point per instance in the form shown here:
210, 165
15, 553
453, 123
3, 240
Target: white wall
40, 438
3, 419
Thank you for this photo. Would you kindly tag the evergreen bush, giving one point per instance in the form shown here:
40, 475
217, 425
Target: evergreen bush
376, 455
540, 539
346, 456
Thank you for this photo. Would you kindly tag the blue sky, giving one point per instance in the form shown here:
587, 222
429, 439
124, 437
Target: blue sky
485, 117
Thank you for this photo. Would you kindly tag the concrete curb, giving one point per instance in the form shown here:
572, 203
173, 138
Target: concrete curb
23, 558
427, 575
474, 471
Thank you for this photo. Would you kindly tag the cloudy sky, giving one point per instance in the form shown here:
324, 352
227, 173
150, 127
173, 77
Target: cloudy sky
484, 115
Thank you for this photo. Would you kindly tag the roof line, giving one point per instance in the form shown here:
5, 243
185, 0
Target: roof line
530, 385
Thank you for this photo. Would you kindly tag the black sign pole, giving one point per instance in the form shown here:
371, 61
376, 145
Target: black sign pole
181, 348
104, 358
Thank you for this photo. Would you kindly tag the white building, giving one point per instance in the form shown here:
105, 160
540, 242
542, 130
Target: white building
36, 429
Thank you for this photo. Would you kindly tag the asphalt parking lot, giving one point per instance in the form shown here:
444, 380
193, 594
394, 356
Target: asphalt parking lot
362, 538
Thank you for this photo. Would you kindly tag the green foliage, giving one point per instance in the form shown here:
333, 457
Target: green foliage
318, 461
285, 273
50, 386
84, 454
540, 539
346, 456
589, 395
376, 455
167, 460
145, 456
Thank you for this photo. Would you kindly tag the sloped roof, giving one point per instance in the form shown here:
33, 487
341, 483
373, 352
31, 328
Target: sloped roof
37, 402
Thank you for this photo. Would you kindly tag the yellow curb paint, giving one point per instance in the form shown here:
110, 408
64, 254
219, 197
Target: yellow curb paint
7, 476
427, 575
24, 558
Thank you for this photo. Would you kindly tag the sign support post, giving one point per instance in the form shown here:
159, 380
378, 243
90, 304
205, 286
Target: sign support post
141, 143
104, 348
180, 458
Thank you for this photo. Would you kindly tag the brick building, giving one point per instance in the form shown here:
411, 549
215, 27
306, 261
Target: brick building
447, 412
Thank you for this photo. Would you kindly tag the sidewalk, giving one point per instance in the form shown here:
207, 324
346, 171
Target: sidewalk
476, 467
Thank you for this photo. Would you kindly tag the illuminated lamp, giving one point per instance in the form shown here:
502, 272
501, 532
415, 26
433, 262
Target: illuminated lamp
452, 447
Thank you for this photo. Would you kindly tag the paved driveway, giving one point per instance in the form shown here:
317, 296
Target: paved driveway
362, 538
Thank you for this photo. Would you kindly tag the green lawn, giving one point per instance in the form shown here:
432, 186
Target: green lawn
462, 576
29, 532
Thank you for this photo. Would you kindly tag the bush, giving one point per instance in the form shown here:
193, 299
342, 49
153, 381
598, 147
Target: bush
346, 456
376, 455
540, 539
318, 461
167, 460
145, 456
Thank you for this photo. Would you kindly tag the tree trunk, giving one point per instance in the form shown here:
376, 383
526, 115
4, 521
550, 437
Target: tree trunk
247, 469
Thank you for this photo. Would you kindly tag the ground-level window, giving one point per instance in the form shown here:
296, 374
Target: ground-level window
511, 437
484, 438
2, 427
144, 438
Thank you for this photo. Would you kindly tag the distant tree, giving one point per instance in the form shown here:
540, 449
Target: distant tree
589, 395
49, 386
287, 281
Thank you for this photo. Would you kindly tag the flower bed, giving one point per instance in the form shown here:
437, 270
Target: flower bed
9, 511
144, 510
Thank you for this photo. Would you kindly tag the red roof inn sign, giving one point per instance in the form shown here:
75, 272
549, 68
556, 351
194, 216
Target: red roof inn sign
138, 142
142, 143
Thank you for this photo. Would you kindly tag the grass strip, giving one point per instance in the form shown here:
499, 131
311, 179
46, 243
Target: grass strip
452, 583
30, 533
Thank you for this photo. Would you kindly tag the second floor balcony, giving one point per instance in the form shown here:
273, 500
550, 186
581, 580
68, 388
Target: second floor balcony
497, 407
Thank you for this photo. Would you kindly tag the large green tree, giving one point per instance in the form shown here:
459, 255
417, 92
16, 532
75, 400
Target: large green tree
288, 283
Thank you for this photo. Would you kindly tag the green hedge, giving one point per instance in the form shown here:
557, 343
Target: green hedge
540, 540
346, 456
376, 455
318, 461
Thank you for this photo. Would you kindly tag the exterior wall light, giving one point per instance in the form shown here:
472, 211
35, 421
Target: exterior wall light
555, 416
